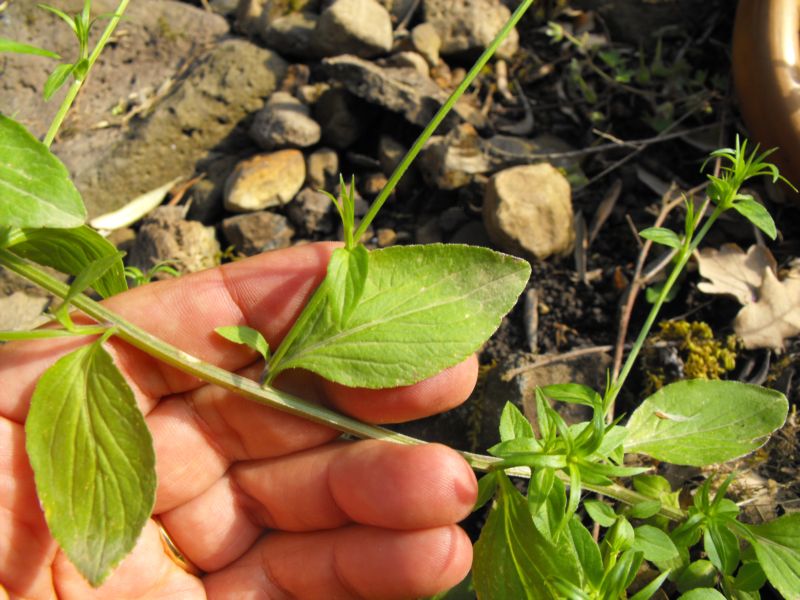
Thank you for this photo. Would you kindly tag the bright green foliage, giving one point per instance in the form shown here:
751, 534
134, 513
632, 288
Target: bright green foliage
242, 334
662, 235
71, 251
35, 188
777, 546
7, 45
654, 544
344, 284
513, 561
422, 309
92, 458
702, 594
705, 422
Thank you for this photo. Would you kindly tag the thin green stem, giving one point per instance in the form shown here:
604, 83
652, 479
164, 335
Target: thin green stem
689, 246
438, 118
73, 90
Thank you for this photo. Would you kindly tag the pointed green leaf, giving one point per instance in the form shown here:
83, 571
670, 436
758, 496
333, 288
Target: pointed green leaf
92, 458
600, 512
702, 594
242, 334
750, 578
654, 543
35, 188
423, 309
722, 547
91, 273
7, 45
486, 488
588, 551
347, 273
644, 509
651, 588
57, 78
757, 215
701, 422
513, 424
70, 251
661, 235
513, 560
61, 15
573, 393
777, 546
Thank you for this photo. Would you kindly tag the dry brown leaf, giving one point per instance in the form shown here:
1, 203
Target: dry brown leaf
775, 316
732, 271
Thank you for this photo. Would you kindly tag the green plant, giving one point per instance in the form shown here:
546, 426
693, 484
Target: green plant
451, 298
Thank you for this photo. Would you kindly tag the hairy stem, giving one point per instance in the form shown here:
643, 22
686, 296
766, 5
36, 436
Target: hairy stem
269, 396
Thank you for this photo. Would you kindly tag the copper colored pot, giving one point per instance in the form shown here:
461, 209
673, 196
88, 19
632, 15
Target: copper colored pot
766, 53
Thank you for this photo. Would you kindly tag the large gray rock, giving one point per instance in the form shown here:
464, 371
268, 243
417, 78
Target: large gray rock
284, 122
469, 26
527, 211
201, 114
402, 90
360, 27
292, 35
131, 74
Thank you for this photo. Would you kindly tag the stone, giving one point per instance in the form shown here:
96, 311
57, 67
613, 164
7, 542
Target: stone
130, 73
276, 9
292, 35
265, 180
399, 89
20, 311
467, 27
201, 113
257, 232
427, 42
386, 237
340, 116
527, 211
450, 161
372, 183
284, 122
472, 233
409, 60
359, 27
312, 211
322, 169
390, 153
165, 235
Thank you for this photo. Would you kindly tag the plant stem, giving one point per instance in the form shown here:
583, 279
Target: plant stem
269, 396
438, 118
73, 90
689, 246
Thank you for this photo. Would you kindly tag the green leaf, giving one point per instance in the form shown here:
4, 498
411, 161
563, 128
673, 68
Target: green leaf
750, 578
661, 235
92, 458
35, 188
701, 422
486, 488
654, 543
7, 45
722, 547
347, 273
698, 574
702, 594
644, 510
43, 334
57, 78
81, 69
777, 546
513, 560
651, 588
757, 215
587, 550
600, 512
423, 309
70, 251
572, 392
513, 424
61, 15
242, 334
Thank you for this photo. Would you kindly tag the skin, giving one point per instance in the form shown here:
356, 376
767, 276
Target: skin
266, 504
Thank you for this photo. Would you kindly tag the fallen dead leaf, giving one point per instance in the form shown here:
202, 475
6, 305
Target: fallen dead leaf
730, 270
775, 316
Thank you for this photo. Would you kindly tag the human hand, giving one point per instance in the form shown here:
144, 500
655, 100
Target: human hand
264, 503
